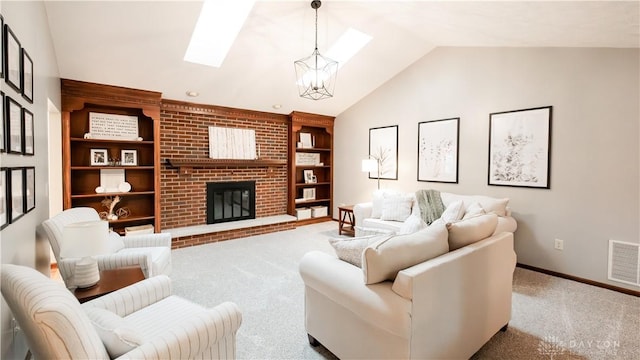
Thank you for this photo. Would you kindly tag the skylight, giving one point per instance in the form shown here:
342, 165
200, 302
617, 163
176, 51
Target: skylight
218, 26
347, 46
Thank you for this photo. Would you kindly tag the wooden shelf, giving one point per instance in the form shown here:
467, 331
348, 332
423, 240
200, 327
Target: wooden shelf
100, 195
312, 150
185, 166
112, 167
108, 141
312, 184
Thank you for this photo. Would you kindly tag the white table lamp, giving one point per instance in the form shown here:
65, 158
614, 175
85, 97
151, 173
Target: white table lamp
372, 165
84, 240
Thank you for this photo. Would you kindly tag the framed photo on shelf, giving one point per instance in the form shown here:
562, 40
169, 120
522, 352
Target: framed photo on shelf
14, 126
438, 150
12, 59
129, 157
383, 146
4, 215
99, 157
309, 193
27, 76
16, 184
27, 124
30, 188
309, 177
519, 148
3, 125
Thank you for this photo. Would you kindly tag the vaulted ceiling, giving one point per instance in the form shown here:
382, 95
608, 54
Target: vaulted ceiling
141, 44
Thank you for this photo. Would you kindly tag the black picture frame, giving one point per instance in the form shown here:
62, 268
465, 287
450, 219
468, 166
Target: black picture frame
26, 76
4, 198
1, 47
28, 141
14, 126
16, 193
29, 188
520, 148
12, 59
438, 149
383, 146
3, 125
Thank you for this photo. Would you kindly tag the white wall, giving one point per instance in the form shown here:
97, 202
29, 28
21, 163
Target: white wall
19, 243
594, 193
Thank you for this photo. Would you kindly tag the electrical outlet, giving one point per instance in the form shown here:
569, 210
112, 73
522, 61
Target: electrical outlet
559, 244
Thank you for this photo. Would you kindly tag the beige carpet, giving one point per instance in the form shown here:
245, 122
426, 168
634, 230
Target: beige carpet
552, 318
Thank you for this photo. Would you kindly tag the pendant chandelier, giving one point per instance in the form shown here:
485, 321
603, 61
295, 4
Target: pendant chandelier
316, 74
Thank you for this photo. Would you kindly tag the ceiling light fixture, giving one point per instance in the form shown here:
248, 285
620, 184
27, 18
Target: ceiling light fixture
316, 74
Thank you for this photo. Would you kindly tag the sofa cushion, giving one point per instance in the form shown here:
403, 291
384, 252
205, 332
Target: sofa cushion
453, 212
396, 208
488, 203
117, 335
382, 261
412, 224
115, 242
350, 249
473, 210
468, 231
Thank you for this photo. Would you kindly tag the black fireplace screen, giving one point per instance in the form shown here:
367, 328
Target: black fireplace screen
230, 201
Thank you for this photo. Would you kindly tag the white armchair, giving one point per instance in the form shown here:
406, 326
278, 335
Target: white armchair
152, 252
141, 321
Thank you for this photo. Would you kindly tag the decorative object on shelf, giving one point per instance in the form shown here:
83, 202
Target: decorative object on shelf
123, 213
318, 211
110, 204
110, 179
3, 124
303, 213
519, 144
303, 159
27, 123
383, 146
16, 189
372, 166
309, 193
124, 187
14, 126
30, 188
27, 76
316, 74
306, 141
12, 59
309, 178
113, 126
438, 150
138, 230
99, 157
129, 157
4, 215
84, 240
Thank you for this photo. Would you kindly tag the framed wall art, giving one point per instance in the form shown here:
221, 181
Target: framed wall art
519, 148
309, 193
27, 125
129, 157
14, 126
383, 146
12, 59
99, 157
438, 150
16, 186
27, 76
29, 188
1, 47
4, 215
3, 125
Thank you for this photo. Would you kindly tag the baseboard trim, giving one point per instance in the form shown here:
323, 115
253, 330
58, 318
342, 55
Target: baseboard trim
581, 280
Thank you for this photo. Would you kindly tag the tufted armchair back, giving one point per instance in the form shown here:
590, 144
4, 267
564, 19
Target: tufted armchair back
54, 226
52, 319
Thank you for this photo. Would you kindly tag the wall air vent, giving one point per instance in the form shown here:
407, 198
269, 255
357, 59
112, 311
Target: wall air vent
624, 262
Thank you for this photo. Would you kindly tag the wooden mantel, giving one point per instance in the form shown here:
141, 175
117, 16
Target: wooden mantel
185, 165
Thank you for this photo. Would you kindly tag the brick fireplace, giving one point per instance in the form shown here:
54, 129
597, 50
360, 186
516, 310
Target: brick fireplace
184, 135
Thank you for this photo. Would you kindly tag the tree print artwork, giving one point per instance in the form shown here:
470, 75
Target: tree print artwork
383, 146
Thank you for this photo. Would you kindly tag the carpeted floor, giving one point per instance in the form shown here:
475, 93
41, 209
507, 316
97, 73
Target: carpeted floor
552, 318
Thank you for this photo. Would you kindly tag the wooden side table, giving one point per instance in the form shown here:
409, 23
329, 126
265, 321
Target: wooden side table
110, 281
347, 221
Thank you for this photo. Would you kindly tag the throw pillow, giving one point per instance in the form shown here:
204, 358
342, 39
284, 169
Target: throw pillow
412, 224
115, 242
465, 232
382, 260
475, 209
396, 208
117, 336
350, 249
453, 212
378, 200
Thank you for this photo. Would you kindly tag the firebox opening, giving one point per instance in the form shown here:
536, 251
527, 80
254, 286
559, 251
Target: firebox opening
230, 201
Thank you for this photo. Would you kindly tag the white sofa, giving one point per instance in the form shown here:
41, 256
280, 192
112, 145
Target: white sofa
438, 293
368, 214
